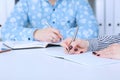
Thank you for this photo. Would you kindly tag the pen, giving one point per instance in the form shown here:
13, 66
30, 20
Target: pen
59, 57
48, 24
51, 27
74, 37
7, 50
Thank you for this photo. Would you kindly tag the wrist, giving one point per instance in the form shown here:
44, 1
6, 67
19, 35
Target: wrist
93, 44
86, 44
36, 34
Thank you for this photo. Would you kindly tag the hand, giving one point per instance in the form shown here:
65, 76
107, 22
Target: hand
76, 47
112, 52
47, 35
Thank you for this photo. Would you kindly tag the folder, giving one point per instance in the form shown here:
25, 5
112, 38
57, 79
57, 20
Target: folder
117, 17
100, 8
109, 14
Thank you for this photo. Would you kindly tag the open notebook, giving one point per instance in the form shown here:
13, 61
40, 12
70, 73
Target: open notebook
14, 45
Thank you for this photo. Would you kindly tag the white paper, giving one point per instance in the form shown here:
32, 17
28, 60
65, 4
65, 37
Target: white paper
87, 59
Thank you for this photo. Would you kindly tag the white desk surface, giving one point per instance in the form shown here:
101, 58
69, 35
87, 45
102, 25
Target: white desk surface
33, 64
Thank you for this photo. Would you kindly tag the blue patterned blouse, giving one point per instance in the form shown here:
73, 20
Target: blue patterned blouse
65, 15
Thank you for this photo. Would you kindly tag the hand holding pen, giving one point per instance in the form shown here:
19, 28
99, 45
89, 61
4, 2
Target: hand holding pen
68, 43
57, 33
75, 46
48, 34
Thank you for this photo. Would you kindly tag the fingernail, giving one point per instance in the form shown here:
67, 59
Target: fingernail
75, 49
70, 47
94, 53
98, 55
60, 39
81, 52
67, 49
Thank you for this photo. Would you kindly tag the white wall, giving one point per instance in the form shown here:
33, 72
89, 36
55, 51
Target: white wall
2, 11
6, 7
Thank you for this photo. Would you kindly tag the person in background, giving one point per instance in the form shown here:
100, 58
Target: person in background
103, 46
50, 21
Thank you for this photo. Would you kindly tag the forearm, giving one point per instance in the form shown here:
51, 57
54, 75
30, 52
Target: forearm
102, 42
17, 26
17, 33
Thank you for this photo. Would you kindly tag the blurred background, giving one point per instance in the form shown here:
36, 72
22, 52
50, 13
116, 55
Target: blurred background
107, 13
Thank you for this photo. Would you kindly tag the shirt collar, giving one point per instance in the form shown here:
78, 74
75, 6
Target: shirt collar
56, 0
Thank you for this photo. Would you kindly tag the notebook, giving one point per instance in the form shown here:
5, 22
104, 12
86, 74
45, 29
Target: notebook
14, 45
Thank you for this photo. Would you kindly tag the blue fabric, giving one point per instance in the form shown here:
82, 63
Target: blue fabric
65, 15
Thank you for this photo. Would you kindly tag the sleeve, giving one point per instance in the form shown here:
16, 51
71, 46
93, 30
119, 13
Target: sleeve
15, 27
85, 20
102, 42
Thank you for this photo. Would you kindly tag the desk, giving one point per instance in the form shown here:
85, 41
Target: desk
33, 64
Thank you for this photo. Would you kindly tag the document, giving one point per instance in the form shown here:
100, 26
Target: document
85, 59
109, 14
117, 17
14, 45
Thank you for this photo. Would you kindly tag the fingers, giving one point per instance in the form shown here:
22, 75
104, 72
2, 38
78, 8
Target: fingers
51, 35
111, 52
55, 38
54, 35
106, 53
65, 43
74, 48
57, 33
79, 46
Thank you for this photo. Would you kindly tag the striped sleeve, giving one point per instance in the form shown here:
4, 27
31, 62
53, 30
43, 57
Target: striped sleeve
102, 42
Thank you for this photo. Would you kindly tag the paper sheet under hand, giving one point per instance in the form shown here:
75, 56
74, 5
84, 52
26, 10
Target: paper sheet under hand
87, 59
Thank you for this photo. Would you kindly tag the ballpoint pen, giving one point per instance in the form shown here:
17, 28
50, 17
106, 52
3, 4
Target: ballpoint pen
73, 38
59, 57
48, 25
6, 50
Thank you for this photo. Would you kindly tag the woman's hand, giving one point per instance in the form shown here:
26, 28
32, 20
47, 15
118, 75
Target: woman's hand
112, 52
47, 35
77, 47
